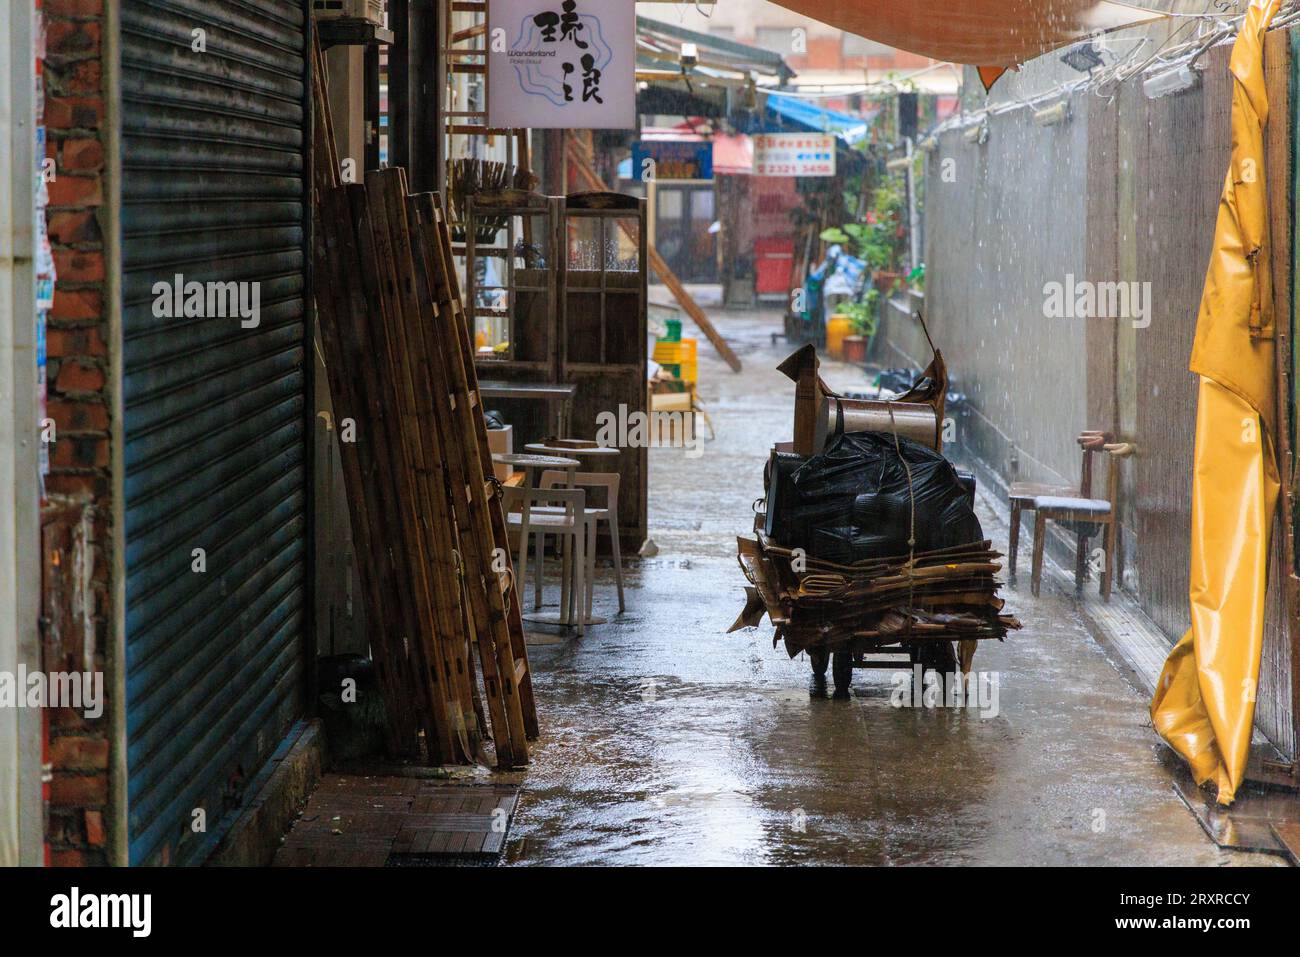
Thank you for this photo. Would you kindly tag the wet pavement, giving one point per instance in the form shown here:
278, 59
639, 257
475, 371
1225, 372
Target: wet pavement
668, 741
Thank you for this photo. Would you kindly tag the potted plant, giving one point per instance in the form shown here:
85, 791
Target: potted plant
888, 232
862, 317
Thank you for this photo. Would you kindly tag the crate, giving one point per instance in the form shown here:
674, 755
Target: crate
682, 352
503, 441
678, 358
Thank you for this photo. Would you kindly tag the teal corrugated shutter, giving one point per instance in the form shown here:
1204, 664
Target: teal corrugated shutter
213, 189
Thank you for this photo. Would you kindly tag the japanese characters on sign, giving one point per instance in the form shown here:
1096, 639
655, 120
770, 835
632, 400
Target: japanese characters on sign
562, 64
794, 154
672, 159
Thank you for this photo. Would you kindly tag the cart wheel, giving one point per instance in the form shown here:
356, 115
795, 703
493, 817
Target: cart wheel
935, 656
819, 661
842, 672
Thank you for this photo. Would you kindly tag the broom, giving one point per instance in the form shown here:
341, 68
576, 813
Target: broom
468, 177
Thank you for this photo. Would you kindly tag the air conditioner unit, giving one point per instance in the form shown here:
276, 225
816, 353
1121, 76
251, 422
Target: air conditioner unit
371, 10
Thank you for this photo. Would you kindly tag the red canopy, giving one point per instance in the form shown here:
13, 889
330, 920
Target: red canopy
733, 154
990, 34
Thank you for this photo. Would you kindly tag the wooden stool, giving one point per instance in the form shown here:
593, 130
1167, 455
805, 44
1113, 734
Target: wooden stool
1083, 512
1021, 495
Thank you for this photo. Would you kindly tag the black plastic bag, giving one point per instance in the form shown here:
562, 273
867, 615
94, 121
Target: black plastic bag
852, 502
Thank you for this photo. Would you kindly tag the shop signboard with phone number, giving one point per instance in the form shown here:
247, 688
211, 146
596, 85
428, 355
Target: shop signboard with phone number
794, 154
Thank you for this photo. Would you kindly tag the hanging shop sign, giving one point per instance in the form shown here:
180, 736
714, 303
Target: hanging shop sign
794, 154
672, 159
562, 64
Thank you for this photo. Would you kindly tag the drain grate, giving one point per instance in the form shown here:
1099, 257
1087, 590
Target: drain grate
376, 821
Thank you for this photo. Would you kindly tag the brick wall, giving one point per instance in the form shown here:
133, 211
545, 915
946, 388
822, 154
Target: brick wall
78, 376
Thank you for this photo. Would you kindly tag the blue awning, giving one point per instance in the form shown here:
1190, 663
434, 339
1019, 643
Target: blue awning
806, 115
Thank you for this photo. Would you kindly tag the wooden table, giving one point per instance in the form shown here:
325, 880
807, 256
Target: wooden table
530, 463
557, 395
595, 451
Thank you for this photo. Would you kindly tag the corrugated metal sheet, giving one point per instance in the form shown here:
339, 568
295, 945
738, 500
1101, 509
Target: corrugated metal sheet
213, 189
1175, 153
1008, 219
1125, 191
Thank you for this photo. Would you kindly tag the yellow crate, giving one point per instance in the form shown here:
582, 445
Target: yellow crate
675, 353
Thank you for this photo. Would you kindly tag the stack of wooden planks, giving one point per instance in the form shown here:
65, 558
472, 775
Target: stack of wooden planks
948, 594
426, 517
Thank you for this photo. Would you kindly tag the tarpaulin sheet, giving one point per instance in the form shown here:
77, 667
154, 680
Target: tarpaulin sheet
1204, 704
870, 495
992, 34
850, 127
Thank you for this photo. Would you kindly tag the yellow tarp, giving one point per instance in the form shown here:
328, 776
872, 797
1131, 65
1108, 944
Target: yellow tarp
990, 34
1204, 704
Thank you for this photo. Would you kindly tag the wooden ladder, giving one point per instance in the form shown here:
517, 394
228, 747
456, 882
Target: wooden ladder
426, 519
493, 596
464, 51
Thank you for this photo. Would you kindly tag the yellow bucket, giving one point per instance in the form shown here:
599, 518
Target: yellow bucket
837, 327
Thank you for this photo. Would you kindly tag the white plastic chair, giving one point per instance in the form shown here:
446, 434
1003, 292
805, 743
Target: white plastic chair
608, 514
556, 511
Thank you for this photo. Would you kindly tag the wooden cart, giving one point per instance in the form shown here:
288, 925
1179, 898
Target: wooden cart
848, 617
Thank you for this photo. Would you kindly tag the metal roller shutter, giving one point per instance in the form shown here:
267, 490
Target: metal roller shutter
213, 189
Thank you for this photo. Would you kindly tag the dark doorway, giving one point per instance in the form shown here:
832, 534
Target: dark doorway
683, 214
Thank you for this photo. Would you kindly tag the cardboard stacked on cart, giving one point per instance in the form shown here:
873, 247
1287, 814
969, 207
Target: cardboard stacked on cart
947, 595
832, 589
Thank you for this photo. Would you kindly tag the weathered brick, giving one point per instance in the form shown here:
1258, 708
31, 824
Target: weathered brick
82, 153
67, 857
77, 304
67, 483
79, 790
79, 265
70, 227
74, 8
74, 752
95, 828
85, 76
67, 718
76, 191
82, 341
76, 376
80, 452
78, 416
70, 37
74, 112
62, 828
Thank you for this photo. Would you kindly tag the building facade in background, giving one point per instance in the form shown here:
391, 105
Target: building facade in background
823, 56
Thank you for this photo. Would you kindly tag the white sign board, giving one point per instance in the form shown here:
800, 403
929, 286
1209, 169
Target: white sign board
562, 64
794, 154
